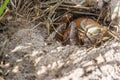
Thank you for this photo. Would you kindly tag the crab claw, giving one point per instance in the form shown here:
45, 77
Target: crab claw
65, 18
59, 32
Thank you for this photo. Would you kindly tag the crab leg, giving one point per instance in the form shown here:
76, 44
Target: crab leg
72, 36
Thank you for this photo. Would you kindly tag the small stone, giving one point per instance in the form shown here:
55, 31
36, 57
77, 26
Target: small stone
1, 78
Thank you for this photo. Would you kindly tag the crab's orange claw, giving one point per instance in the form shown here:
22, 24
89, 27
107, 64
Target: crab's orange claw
65, 19
60, 31
68, 17
80, 37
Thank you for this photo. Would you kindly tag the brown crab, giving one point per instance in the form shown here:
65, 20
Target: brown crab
80, 31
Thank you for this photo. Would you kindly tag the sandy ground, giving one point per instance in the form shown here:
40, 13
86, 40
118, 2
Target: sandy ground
28, 56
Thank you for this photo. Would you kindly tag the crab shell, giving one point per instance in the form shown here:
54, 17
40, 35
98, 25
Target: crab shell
92, 31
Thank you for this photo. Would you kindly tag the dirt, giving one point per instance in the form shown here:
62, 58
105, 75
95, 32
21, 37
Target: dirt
29, 56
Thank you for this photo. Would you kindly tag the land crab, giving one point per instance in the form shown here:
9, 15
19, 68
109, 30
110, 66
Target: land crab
81, 31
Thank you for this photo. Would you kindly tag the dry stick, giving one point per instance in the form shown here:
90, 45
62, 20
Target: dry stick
38, 25
49, 2
18, 6
26, 8
17, 14
5, 13
113, 35
28, 16
65, 4
2, 47
21, 9
108, 15
77, 12
76, 7
13, 4
31, 13
54, 2
100, 14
